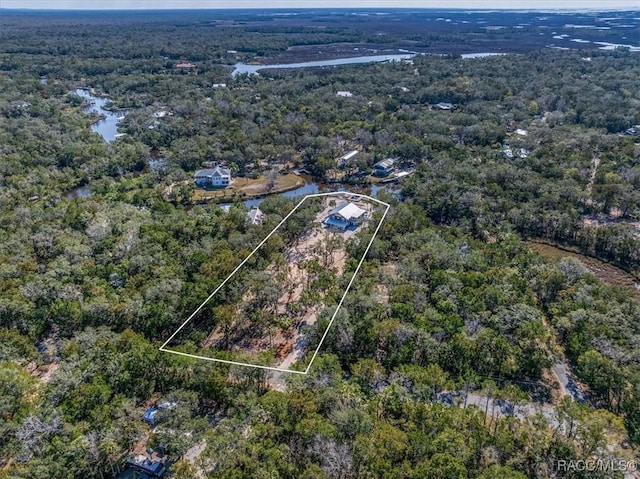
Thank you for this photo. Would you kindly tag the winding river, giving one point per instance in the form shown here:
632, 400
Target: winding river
313, 187
108, 126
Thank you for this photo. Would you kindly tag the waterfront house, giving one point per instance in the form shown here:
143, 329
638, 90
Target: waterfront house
216, 177
384, 167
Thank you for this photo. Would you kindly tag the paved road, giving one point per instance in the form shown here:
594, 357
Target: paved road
568, 383
500, 407
193, 454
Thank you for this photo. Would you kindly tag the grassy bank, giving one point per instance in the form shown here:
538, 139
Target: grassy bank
246, 188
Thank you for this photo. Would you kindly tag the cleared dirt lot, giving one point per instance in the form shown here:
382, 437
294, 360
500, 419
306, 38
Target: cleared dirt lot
275, 317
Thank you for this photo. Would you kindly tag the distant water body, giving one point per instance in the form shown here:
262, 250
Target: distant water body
250, 69
482, 55
241, 68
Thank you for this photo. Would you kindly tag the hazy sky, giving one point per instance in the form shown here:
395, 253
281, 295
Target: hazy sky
160, 4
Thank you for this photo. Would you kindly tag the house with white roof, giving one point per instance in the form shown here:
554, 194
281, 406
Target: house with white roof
216, 177
345, 215
344, 159
256, 216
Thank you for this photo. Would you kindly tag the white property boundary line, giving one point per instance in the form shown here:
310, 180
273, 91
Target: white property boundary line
271, 368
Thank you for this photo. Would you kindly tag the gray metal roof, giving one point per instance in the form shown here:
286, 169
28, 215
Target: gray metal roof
217, 171
387, 163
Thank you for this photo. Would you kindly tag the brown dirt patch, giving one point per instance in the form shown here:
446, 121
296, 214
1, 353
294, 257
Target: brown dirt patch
603, 271
44, 373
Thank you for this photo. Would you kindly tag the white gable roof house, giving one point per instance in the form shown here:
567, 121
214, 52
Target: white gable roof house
345, 215
217, 176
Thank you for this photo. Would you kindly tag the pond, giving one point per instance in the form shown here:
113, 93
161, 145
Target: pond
107, 127
250, 69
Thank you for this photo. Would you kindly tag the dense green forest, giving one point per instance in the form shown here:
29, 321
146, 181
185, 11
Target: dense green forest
452, 318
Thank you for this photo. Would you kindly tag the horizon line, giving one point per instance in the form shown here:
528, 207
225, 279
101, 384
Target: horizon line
463, 9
